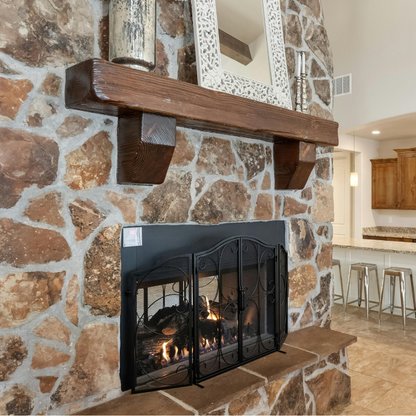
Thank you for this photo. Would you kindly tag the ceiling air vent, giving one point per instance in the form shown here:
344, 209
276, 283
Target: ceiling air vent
343, 85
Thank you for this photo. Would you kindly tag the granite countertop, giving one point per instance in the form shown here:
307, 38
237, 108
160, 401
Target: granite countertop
394, 232
375, 245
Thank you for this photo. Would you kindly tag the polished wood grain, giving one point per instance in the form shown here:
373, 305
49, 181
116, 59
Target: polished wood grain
149, 107
384, 190
407, 178
293, 163
102, 87
234, 48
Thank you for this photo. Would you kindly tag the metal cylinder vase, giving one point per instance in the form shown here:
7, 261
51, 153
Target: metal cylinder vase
133, 33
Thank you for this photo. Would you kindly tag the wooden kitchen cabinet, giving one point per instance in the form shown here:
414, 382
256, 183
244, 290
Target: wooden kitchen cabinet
394, 181
384, 184
407, 178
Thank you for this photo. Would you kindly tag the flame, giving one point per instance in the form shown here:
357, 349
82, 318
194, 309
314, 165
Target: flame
185, 353
165, 355
176, 354
210, 314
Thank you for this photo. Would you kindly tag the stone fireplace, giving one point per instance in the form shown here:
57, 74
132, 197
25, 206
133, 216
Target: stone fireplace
62, 211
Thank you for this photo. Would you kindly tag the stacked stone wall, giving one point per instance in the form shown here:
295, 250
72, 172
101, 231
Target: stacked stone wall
62, 212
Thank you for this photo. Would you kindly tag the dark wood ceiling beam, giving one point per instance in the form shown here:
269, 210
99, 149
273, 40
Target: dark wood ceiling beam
234, 48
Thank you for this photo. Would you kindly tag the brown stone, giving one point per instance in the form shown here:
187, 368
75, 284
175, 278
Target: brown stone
316, 110
322, 168
125, 204
102, 265
169, 202
46, 208
322, 303
26, 159
314, 5
53, 329
187, 65
293, 207
45, 356
323, 209
307, 317
269, 155
277, 206
71, 305
95, 368
240, 173
13, 351
308, 371
267, 182
51, 85
199, 185
89, 166
324, 257
218, 412
317, 71
306, 194
294, 316
291, 400
39, 109
17, 400
323, 90
21, 244
253, 157
6, 69
294, 30
323, 231
50, 34
290, 62
72, 126
162, 60
253, 184
104, 36
317, 39
216, 157
171, 17
46, 383
330, 389
335, 358
184, 150
244, 404
86, 217
283, 6
302, 280
327, 322
26, 295
293, 6
321, 150
136, 190
222, 202
273, 389
12, 95
264, 207
302, 240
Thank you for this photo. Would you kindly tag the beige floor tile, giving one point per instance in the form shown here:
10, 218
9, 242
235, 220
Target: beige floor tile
353, 409
399, 400
366, 389
409, 382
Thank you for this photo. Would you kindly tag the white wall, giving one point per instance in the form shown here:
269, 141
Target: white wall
374, 40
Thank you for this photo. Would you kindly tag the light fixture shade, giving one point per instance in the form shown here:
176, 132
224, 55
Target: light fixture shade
354, 179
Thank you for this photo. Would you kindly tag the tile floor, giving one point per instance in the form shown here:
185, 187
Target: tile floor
382, 363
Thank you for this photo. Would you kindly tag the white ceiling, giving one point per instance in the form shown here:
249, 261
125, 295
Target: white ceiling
402, 127
242, 19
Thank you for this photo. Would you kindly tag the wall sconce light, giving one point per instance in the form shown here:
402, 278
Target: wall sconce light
354, 179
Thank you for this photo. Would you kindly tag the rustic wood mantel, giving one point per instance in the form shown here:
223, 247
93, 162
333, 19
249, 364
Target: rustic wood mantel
149, 108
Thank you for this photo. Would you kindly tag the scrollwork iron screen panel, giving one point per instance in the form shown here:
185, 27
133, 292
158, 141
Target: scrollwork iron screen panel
163, 336
237, 317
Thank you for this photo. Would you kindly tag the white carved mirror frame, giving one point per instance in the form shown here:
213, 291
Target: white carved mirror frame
212, 76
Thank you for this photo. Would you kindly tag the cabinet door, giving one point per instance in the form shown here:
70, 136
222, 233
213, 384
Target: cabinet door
384, 186
407, 178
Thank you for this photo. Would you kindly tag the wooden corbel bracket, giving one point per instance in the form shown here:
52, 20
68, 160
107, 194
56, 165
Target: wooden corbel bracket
149, 107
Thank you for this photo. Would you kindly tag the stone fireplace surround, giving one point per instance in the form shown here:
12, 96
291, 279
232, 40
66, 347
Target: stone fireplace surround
62, 212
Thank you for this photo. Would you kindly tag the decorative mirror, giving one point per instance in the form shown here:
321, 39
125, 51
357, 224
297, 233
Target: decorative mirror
240, 49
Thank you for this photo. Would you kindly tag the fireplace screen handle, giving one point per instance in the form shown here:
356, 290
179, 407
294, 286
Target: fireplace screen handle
242, 305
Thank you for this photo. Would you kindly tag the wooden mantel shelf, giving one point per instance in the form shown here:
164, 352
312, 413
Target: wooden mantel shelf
149, 108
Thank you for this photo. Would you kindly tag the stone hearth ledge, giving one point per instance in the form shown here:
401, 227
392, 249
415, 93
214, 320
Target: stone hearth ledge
303, 348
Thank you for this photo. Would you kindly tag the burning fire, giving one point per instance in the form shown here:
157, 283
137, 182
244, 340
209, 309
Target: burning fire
178, 357
210, 314
165, 354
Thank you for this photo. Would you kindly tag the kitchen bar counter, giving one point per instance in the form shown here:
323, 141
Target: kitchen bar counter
390, 232
375, 245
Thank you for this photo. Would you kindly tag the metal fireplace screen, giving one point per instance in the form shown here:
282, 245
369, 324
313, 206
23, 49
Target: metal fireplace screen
201, 314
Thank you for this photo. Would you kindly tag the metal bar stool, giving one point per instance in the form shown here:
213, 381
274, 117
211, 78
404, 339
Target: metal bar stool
341, 296
402, 273
363, 270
